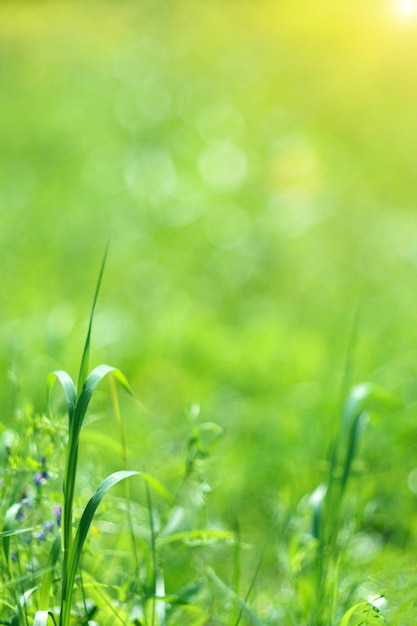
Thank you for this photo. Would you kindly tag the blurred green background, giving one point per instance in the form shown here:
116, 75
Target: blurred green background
253, 165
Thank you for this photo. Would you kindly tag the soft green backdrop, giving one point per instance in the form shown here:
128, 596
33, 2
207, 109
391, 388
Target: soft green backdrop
253, 164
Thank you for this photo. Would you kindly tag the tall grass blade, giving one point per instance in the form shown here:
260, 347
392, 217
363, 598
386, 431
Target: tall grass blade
86, 352
152, 572
236, 568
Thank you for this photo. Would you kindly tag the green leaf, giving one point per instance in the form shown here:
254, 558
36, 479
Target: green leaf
92, 506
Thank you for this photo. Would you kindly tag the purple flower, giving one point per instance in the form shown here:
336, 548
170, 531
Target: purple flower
40, 535
40, 478
58, 515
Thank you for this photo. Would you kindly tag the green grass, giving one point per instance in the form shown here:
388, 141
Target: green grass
252, 165
34, 586
41, 585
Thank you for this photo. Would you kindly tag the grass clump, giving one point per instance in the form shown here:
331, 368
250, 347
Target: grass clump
44, 534
65, 563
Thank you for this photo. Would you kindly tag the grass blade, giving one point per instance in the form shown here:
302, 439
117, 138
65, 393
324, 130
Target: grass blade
253, 618
362, 400
42, 618
48, 576
244, 603
94, 378
82, 377
90, 385
68, 388
8, 528
199, 537
79, 540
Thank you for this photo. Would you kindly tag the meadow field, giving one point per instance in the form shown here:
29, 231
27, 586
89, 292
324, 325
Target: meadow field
251, 168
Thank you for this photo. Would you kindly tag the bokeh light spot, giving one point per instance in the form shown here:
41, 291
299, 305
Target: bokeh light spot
223, 165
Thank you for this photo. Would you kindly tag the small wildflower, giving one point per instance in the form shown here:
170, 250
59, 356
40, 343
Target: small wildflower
58, 515
40, 478
48, 526
39, 536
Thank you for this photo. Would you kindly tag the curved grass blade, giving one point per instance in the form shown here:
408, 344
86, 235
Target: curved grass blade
68, 388
79, 540
90, 385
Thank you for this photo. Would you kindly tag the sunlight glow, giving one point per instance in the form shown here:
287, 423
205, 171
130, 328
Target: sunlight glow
408, 8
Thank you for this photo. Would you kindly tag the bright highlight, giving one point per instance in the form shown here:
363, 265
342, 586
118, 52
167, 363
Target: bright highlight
408, 8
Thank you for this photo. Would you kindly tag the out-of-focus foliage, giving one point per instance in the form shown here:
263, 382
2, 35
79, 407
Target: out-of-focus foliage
253, 165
